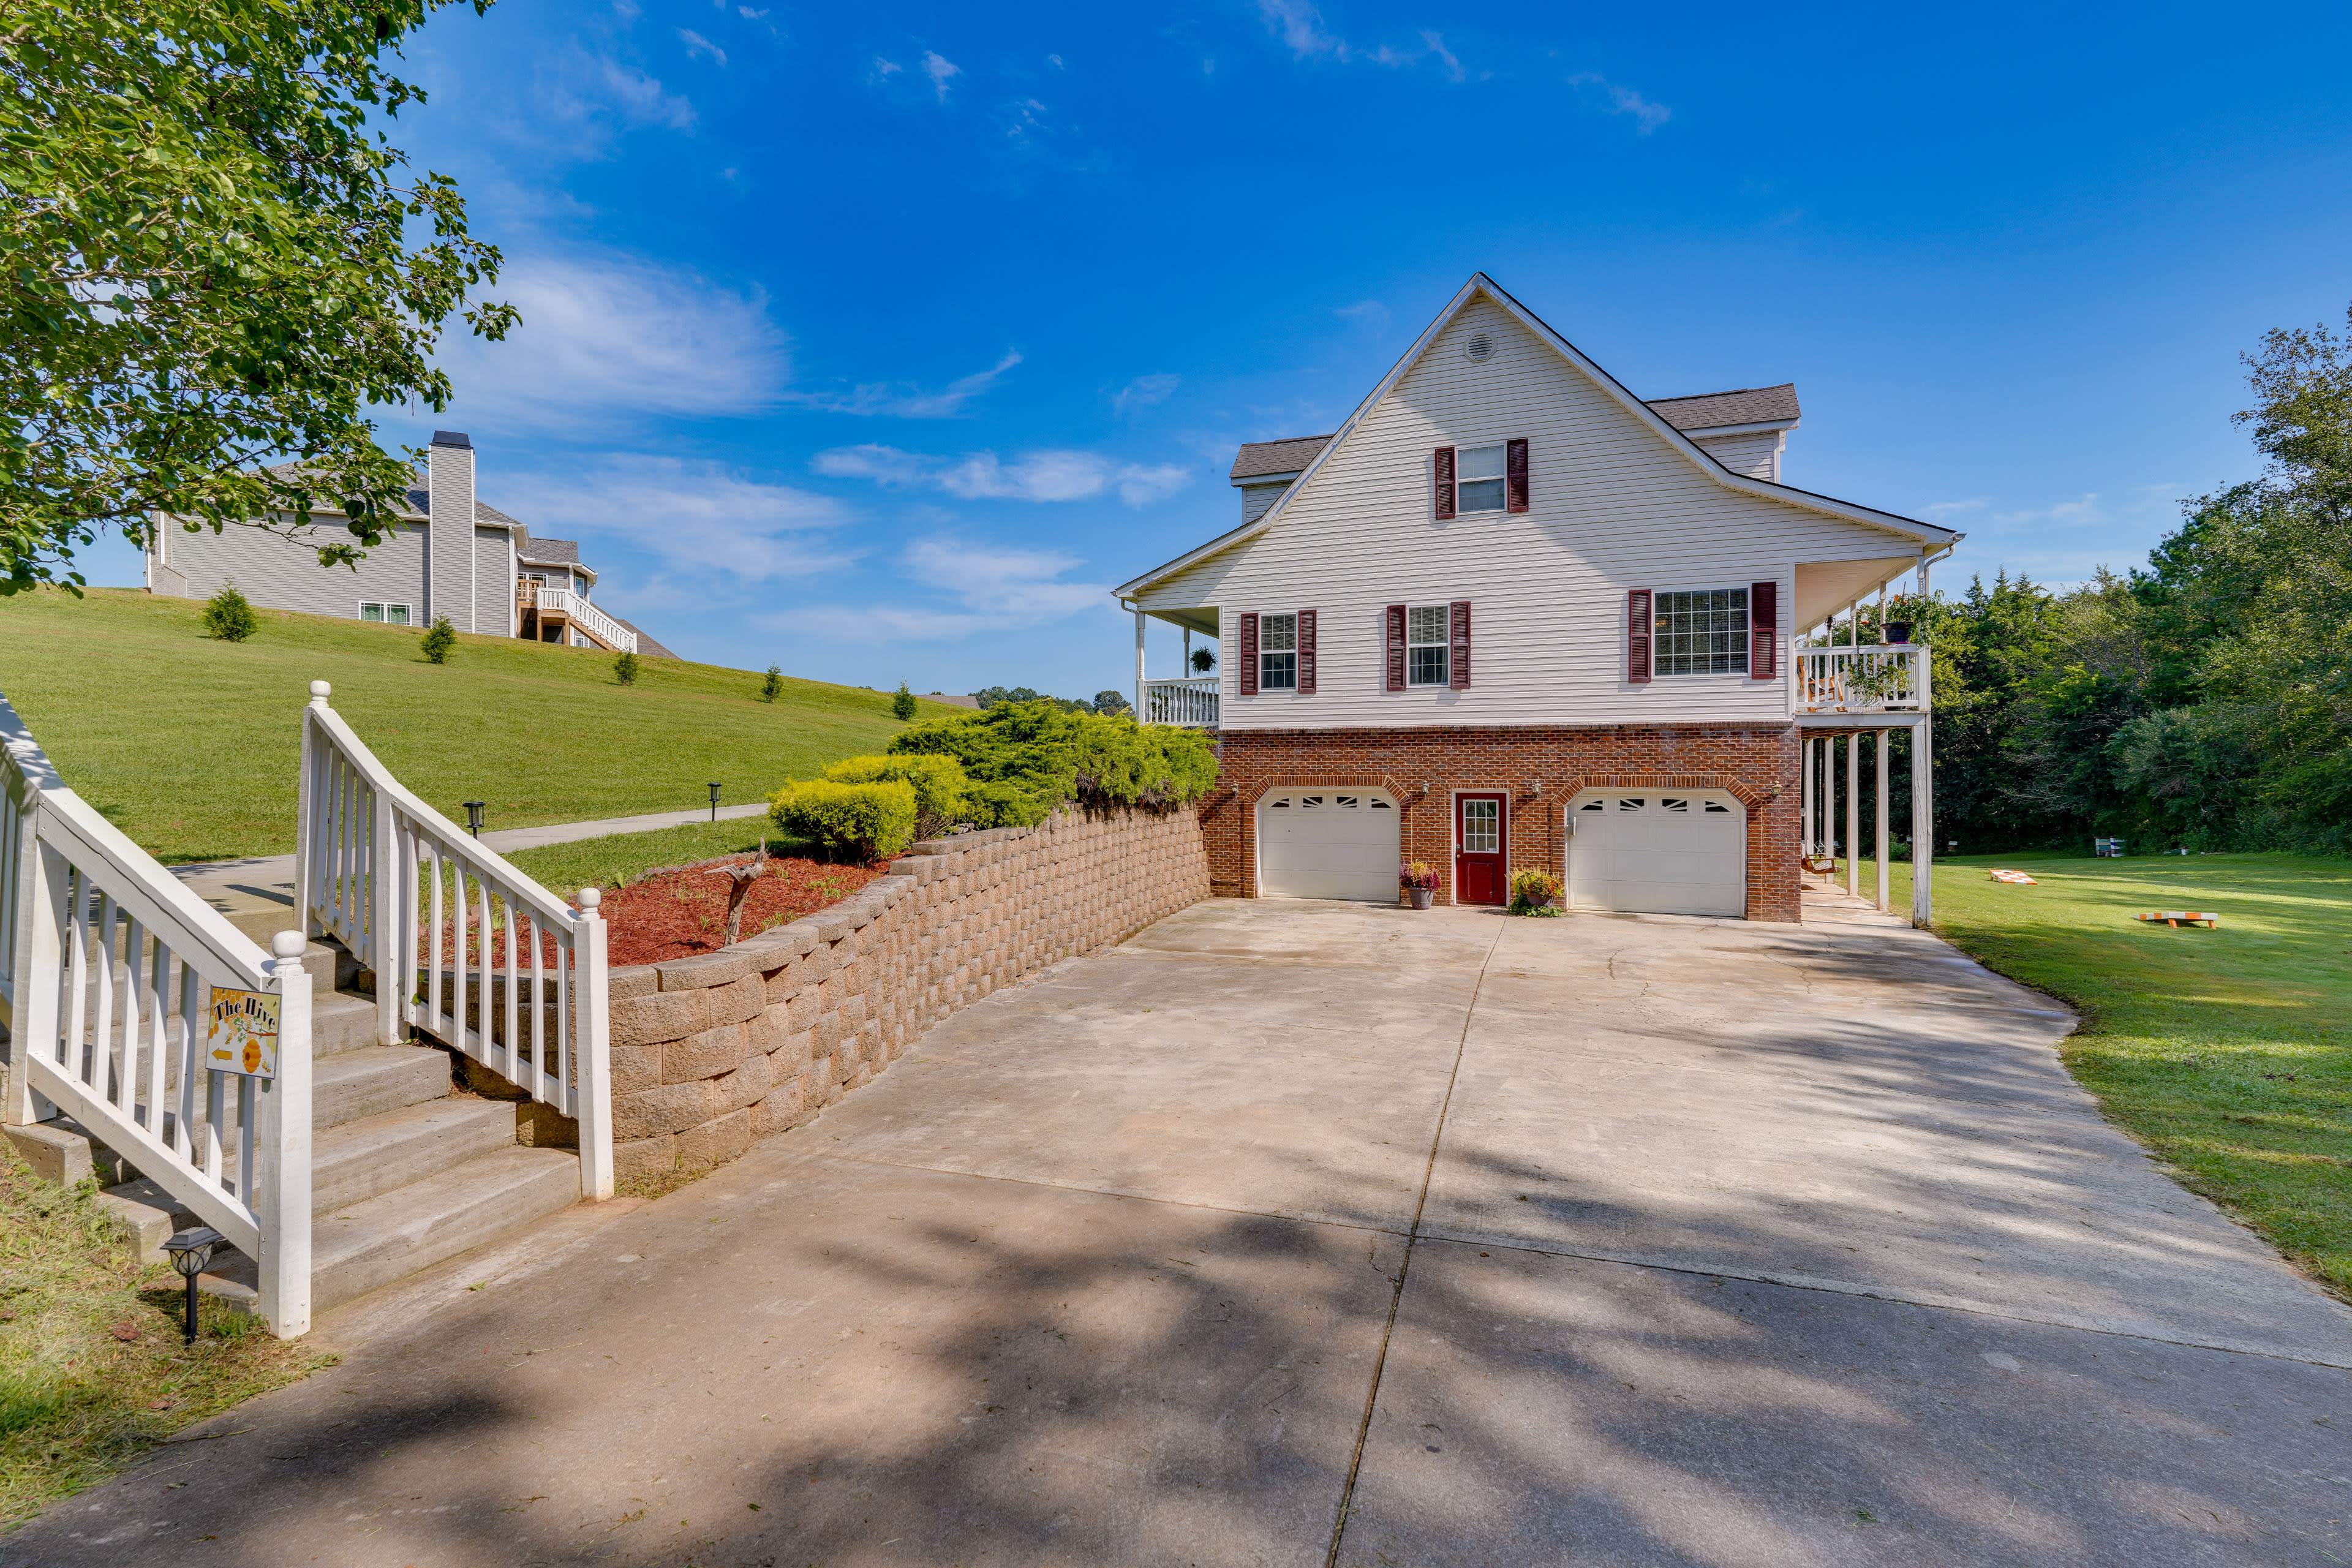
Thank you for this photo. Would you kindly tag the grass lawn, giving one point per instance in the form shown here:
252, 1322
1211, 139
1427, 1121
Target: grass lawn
2227, 1052
92, 1369
190, 744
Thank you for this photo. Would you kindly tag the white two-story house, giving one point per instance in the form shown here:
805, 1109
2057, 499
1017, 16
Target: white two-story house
449, 553
1510, 614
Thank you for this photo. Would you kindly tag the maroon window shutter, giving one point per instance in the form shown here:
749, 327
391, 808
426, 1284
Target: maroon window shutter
1305, 653
1249, 656
1444, 471
1640, 629
1459, 668
1763, 630
1395, 617
1514, 470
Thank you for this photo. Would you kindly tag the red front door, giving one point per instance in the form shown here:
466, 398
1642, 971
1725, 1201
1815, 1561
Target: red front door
1480, 842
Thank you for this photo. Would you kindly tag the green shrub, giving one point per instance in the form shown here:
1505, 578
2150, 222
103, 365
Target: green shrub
902, 703
228, 617
439, 640
943, 795
625, 668
1025, 760
772, 686
863, 822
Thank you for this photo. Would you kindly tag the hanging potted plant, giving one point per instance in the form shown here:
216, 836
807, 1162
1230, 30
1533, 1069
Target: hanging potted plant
1536, 892
1903, 617
1418, 878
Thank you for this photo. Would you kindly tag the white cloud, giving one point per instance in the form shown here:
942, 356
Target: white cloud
1300, 28
1143, 392
885, 70
1944, 509
696, 44
695, 517
1625, 101
1436, 44
986, 588
599, 90
1045, 476
1056, 61
898, 400
618, 337
940, 69
1369, 314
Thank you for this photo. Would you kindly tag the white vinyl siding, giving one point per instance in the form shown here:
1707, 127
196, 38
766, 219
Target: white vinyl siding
1617, 508
494, 594
1257, 499
1756, 454
280, 573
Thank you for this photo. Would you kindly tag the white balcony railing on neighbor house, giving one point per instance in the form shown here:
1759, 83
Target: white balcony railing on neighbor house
583, 615
1870, 678
1188, 702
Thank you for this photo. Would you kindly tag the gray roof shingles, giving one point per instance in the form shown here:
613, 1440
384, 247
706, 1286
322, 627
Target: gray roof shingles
551, 552
1284, 457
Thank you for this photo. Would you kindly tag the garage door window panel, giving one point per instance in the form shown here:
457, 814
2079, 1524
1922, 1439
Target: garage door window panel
1701, 632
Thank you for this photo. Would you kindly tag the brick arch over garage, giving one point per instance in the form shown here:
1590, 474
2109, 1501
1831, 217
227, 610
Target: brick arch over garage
1538, 767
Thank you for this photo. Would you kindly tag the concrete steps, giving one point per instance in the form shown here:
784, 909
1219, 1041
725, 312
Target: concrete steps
370, 1244
361, 1160
374, 1080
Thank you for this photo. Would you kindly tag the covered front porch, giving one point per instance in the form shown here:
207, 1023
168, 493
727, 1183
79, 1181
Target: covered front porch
1191, 698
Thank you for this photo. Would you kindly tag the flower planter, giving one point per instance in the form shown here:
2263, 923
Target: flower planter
1897, 633
1421, 897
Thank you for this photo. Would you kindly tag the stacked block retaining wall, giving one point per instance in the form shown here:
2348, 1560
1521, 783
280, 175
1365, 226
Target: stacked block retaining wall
711, 1052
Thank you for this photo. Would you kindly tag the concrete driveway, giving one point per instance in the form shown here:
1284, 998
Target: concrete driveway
1300, 1234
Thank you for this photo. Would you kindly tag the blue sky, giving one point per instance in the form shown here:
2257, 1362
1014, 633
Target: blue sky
880, 340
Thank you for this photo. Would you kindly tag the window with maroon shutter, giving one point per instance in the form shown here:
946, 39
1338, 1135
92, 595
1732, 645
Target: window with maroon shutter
1394, 637
1305, 653
1460, 673
1515, 472
1445, 472
1763, 628
1639, 630
1249, 656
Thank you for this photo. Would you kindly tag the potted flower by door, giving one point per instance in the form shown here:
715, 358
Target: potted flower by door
1418, 878
1535, 891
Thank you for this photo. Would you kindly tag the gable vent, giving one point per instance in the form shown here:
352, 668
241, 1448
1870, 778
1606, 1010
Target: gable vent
1479, 349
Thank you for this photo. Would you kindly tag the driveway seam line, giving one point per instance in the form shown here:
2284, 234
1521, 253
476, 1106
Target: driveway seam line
1921, 1301
1404, 1267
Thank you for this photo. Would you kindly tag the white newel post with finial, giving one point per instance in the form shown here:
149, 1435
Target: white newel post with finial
282, 1194
595, 1048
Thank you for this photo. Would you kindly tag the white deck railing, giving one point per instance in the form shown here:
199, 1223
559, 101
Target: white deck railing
564, 602
465, 947
1870, 678
111, 967
1192, 702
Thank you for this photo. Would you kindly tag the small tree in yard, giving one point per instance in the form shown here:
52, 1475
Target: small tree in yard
625, 668
902, 702
774, 686
440, 640
1109, 702
228, 617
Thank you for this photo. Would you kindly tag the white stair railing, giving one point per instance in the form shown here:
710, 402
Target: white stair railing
1192, 701
113, 970
465, 948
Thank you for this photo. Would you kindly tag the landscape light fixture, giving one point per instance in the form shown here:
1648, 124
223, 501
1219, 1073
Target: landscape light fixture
191, 1250
714, 803
474, 816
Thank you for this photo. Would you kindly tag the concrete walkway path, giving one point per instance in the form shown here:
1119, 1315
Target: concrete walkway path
1313, 1234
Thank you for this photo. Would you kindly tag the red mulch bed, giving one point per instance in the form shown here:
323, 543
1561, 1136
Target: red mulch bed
681, 911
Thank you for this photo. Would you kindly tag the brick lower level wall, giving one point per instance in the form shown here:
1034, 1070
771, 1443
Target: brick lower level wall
1540, 768
713, 1051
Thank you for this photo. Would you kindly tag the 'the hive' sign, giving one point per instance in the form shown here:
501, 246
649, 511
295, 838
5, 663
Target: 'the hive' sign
243, 1036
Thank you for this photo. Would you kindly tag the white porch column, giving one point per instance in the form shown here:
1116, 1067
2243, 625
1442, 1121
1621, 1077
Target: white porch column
1878, 745
1923, 825
1805, 796
1138, 666
1854, 814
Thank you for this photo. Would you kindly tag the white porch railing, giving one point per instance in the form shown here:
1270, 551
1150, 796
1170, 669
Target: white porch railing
596, 622
1192, 702
1870, 678
465, 947
111, 965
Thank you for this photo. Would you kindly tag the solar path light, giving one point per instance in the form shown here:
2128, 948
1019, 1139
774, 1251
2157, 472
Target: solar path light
190, 1251
714, 802
474, 816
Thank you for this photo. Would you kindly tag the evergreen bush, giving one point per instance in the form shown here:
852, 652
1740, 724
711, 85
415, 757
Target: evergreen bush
902, 703
439, 640
943, 795
772, 686
1025, 760
862, 822
228, 616
625, 668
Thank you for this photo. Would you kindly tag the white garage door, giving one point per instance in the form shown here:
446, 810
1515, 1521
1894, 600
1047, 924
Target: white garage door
1656, 852
1328, 843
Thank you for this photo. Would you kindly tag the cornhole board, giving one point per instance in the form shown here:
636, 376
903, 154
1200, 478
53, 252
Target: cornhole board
2019, 877
2175, 919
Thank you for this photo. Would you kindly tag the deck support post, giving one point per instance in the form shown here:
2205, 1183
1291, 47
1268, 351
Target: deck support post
1854, 814
1139, 665
1804, 795
1923, 825
1879, 739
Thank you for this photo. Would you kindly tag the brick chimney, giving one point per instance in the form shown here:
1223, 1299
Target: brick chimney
449, 535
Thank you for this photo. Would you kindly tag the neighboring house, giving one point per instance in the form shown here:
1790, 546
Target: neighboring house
1511, 615
487, 573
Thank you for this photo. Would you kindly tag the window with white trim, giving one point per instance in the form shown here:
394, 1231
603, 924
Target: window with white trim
391, 615
1701, 632
1428, 635
1277, 653
1480, 474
